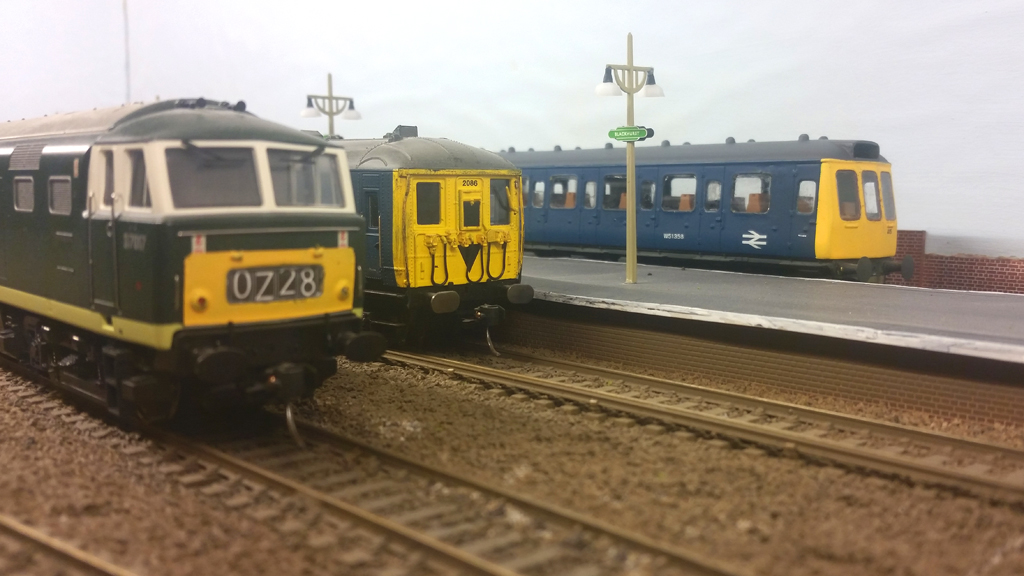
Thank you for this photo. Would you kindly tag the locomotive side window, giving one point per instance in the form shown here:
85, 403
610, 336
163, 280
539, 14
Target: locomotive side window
428, 202
751, 193
24, 194
590, 195
805, 196
501, 211
563, 192
679, 193
305, 178
887, 198
140, 186
872, 206
60, 195
849, 198
211, 177
647, 191
614, 192
108, 178
713, 196
538, 194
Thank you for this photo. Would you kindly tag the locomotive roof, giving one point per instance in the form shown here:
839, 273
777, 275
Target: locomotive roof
187, 119
423, 153
793, 151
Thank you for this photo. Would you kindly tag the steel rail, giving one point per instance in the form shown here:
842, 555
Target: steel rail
776, 440
61, 548
775, 407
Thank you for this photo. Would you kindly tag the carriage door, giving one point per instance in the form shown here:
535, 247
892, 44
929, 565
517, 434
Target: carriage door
563, 224
535, 206
647, 215
805, 210
712, 212
588, 199
102, 246
370, 190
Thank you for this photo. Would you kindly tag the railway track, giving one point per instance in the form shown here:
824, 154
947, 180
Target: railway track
371, 501
980, 469
20, 545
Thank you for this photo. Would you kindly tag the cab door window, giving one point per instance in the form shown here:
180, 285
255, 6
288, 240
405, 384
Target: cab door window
806, 194
872, 205
538, 194
647, 190
139, 197
713, 196
428, 203
590, 195
614, 192
501, 212
849, 198
679, 193
887, 198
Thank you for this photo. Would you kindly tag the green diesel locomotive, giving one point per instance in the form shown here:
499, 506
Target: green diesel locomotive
146, 250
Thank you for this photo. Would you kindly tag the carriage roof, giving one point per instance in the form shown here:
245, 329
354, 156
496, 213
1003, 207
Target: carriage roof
420, 153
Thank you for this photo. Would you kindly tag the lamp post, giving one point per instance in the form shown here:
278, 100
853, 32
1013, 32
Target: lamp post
330, 106
631, 80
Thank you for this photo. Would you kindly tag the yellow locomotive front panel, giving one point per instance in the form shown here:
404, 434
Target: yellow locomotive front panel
242, 287
456, 227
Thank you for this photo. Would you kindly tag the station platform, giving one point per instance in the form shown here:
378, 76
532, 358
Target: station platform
980, 324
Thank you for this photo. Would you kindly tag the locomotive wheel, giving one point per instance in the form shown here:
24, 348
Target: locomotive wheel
865, 269
149, 399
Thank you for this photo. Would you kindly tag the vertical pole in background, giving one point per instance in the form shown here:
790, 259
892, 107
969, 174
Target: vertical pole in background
127, 62
630, 78
331, 106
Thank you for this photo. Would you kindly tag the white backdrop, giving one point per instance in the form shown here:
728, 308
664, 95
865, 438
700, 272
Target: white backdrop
937, 84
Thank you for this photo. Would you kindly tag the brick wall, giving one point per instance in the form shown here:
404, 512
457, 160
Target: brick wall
959, 272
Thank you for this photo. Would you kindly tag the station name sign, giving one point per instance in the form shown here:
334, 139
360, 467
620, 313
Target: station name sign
631, 133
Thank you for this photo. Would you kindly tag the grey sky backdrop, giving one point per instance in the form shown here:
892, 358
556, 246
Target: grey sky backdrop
936, 83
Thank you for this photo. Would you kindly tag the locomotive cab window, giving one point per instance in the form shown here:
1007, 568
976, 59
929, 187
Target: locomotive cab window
887, 198
305, 178
428, 202
872, 205
751, 193
139, 197
108, 177
590, 195
212, 177
647, 190
849, 198
501, 210
679, 193
538, 194
713, 196
60, 195
806, 194
24, 194
563, 192
614, 192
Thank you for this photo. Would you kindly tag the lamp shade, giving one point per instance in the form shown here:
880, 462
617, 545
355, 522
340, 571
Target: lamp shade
608, 87
650, 89
309, 111
351, 113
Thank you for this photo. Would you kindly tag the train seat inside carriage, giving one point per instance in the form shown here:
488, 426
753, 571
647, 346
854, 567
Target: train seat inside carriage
622, 201
686, 202
804, 205
570, 200
757, 203
738, 204
848, 211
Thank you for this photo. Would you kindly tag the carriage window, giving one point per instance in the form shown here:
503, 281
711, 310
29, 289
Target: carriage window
501, 211
751, 193
24, 194
849, 198
563, 192
212, 177
372, 212
713, 196
140, 185
428, 202
305, 178
108, 178
590, 195
805, 196
60, 195
872, 208
887, 198
647, 195
614, 192
679, 193
538, 194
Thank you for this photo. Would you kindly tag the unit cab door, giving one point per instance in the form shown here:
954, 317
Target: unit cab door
805, 210
102, 233
369, 205
647, 214
711, 206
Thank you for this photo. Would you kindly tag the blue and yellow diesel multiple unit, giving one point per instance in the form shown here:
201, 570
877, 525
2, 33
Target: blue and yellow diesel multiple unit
183, 244
822, 203
444, 231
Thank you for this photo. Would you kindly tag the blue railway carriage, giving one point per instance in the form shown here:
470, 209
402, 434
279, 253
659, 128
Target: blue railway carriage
444, 233
811, 203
